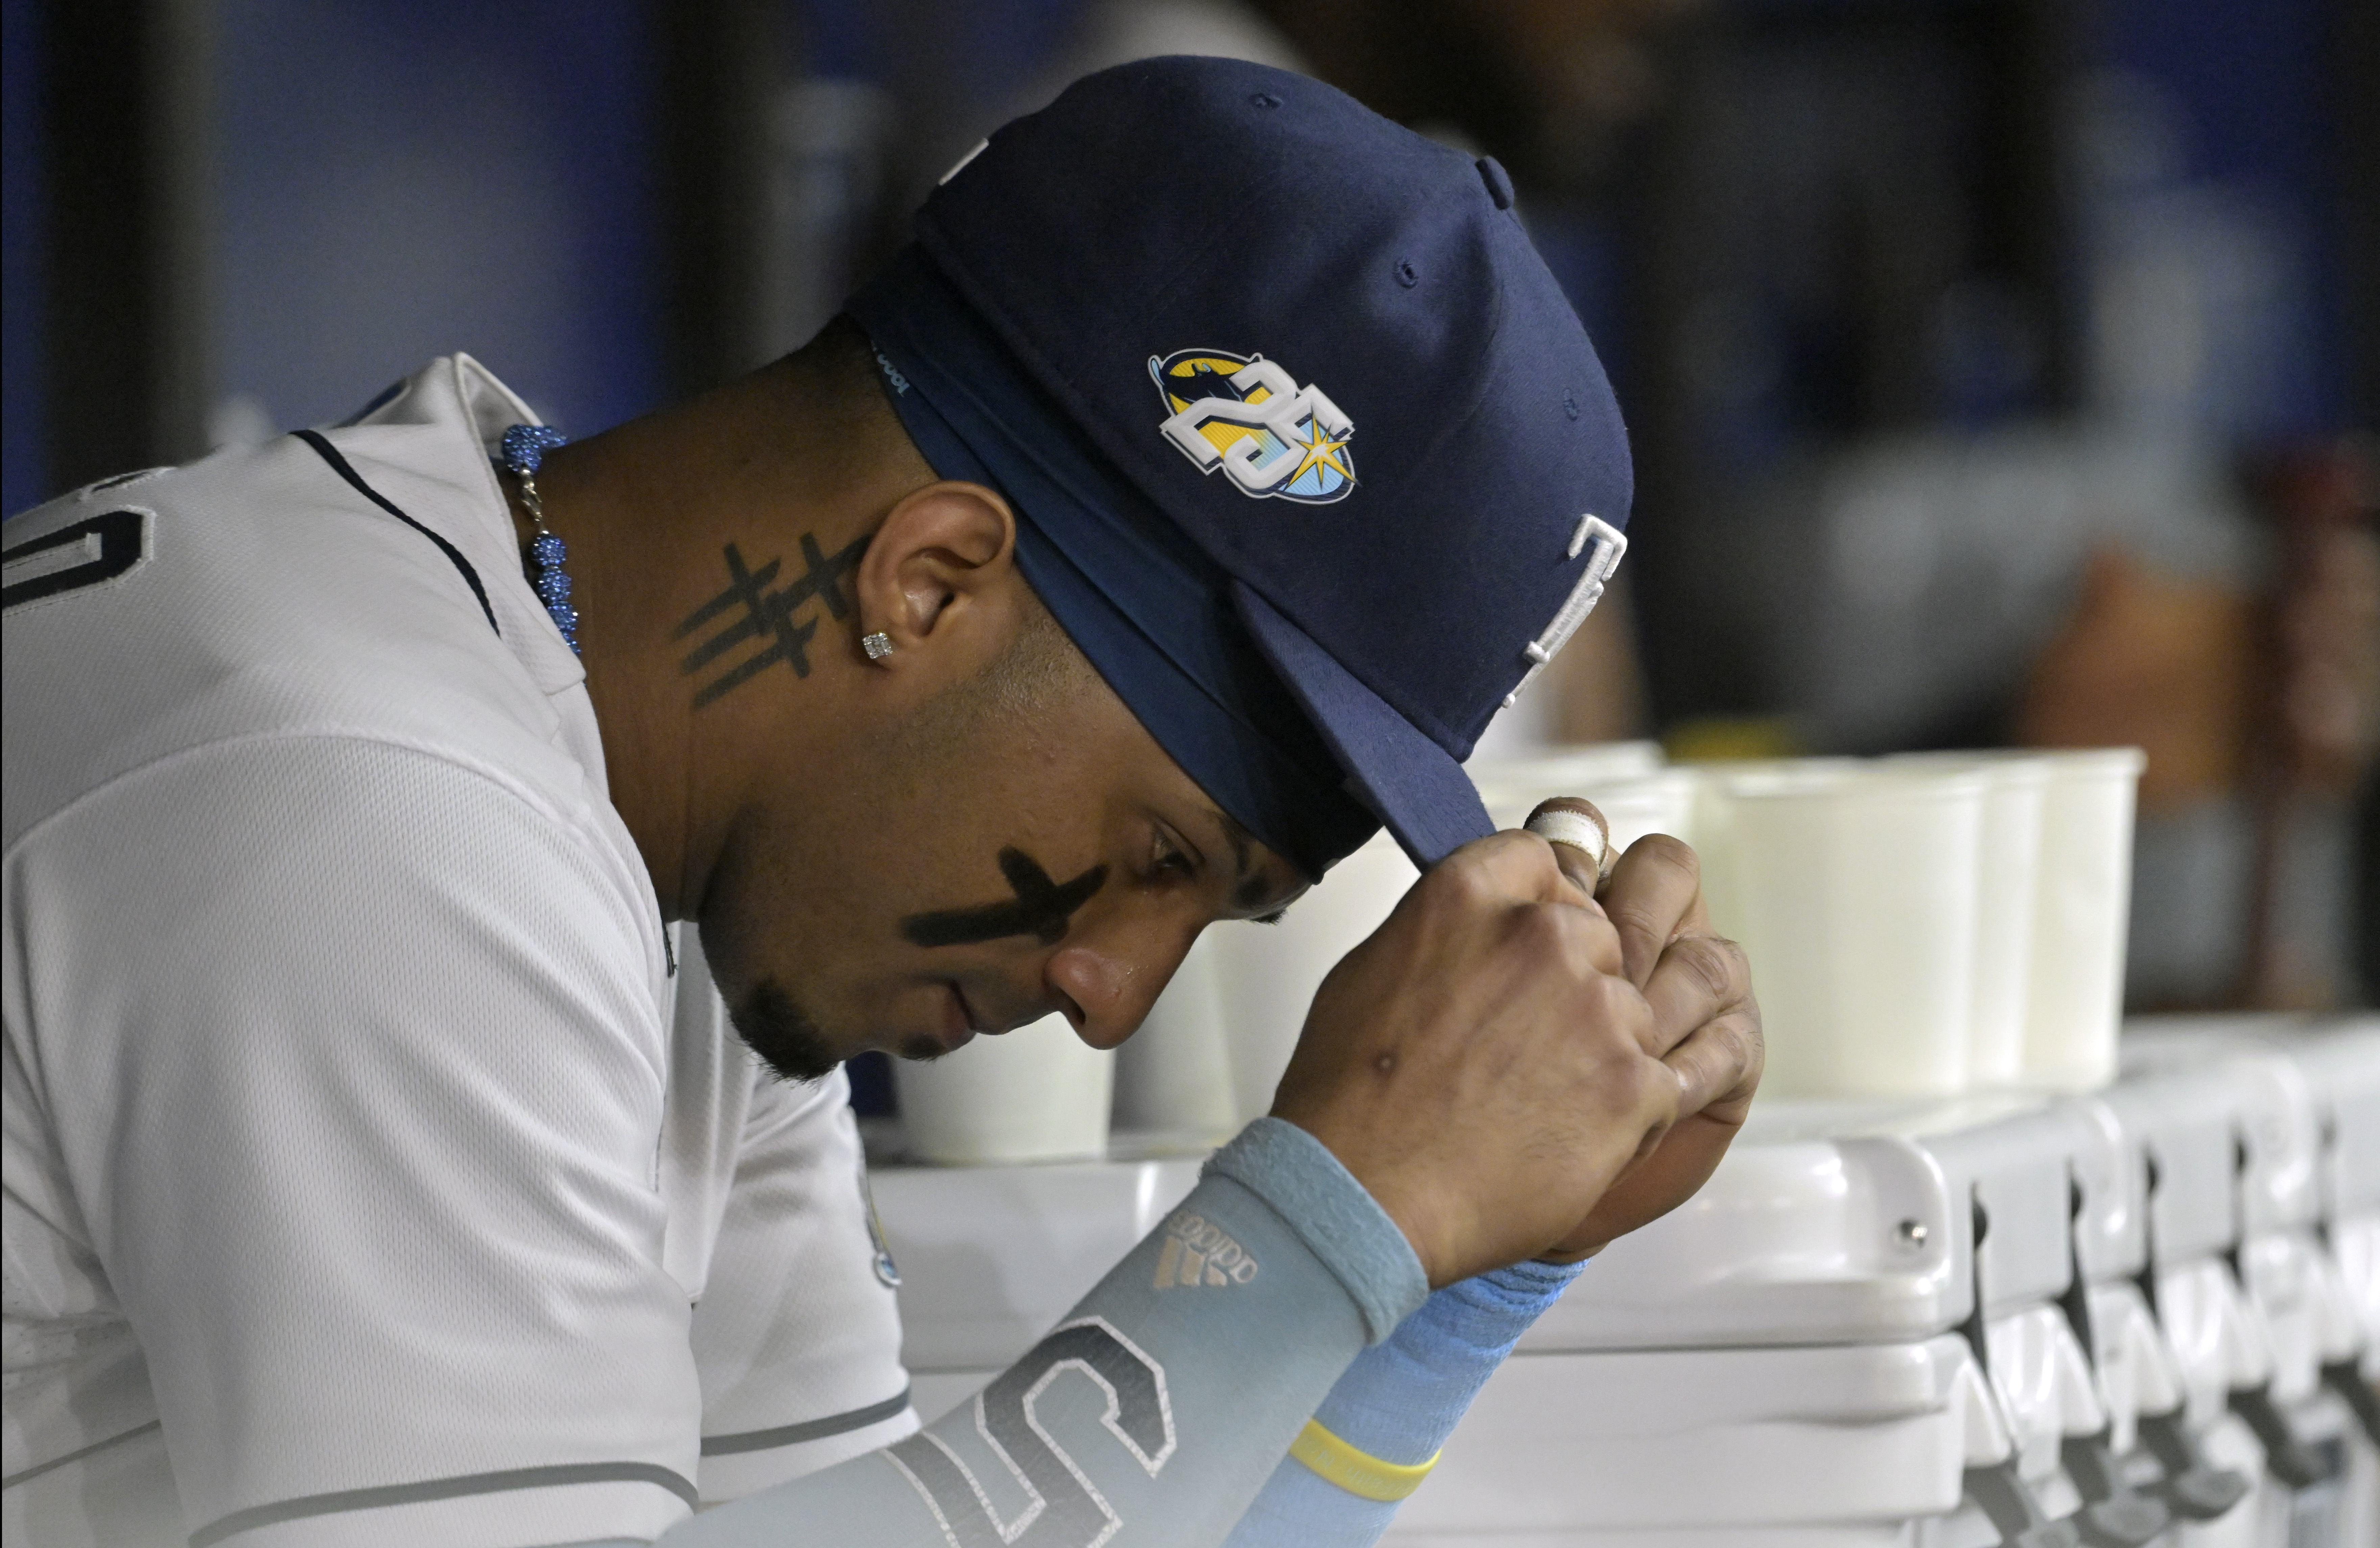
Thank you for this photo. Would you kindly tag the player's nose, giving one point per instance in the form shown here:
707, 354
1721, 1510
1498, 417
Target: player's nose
1106, 989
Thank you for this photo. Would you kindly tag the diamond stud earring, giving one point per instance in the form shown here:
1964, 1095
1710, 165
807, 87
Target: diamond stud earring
878, 645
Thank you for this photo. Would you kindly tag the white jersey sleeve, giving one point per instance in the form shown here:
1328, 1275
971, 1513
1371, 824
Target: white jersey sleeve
355, 1088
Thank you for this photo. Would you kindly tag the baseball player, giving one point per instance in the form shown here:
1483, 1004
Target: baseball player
446, 867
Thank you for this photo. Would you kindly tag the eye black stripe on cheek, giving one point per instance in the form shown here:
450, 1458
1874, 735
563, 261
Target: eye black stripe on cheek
1041, 908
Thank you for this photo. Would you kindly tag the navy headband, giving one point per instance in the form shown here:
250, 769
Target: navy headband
1153, 612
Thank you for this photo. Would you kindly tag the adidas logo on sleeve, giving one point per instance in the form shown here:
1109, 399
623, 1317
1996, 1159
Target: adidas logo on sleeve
1197, 1251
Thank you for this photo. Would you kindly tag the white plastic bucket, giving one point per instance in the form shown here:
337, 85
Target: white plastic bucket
1038, 1093
1852, 889
2008, 881
1268, 973
2082, 910
1173, 1077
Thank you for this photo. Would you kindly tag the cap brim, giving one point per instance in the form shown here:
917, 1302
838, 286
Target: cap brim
1417, 788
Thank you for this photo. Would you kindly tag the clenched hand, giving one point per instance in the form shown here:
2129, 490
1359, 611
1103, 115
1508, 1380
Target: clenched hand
1514, 1069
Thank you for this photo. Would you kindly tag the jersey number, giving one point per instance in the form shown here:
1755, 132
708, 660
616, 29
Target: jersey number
89, 552
1063, 1508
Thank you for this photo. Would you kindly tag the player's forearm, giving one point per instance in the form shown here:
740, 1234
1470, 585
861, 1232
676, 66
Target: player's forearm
1160, 1404
1381, 1427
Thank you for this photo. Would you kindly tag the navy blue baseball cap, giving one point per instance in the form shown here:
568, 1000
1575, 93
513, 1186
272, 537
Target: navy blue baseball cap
1309, 453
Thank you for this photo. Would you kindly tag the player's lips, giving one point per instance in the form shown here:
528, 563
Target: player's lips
960, 1022
965, 1019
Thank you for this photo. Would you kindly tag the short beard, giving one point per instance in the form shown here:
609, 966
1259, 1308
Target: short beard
773, 1025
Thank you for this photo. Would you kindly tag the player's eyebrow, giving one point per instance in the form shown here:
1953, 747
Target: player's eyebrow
1242, 841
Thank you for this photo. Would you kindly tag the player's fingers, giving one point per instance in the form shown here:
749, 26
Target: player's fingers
1697, 979
1580, 836
1510, 867
1654, 897
1718, 1064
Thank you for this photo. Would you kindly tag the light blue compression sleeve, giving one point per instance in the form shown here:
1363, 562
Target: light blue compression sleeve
1159, 1406
1400, 1401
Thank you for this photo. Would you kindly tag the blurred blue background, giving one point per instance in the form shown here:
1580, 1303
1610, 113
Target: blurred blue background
1998, 369
379, 182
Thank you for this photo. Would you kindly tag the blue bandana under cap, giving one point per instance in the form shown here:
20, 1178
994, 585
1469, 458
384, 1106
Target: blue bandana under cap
1151, 611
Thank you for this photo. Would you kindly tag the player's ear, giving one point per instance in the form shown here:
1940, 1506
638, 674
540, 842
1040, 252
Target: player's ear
943, 552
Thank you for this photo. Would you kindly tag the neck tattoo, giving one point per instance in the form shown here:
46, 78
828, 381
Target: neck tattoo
1041, 908
747, 611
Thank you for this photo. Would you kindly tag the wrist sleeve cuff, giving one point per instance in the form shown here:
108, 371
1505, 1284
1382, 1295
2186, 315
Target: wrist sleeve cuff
1494, 1309
1340, 1221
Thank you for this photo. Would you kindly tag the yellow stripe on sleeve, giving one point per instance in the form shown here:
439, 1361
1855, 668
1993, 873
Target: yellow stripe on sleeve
1358, 1472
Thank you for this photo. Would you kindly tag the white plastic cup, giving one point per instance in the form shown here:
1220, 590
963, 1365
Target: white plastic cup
1038, 1093
1561, 771
1853, 894
2008, 881
1711, 819
1268, 973
2081, 911
1660, 801
1173, 1077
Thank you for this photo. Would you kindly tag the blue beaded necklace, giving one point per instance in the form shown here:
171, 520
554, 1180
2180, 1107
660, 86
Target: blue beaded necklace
522, 450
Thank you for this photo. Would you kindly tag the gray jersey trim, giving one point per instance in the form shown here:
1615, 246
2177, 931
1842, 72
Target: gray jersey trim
38, 1469
555, 1476
809, 1430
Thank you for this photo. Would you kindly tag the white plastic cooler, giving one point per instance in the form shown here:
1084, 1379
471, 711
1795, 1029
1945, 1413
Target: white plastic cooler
1973, 1324
1859, 1331
2140, 1316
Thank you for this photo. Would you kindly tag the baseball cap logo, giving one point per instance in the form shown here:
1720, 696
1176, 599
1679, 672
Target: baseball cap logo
1249, 417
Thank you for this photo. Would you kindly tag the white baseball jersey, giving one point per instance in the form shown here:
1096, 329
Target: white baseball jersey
372, 1176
